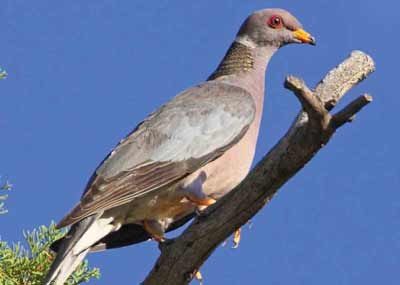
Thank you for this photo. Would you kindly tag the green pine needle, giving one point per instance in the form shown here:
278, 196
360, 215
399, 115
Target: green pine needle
4, 187
28, 266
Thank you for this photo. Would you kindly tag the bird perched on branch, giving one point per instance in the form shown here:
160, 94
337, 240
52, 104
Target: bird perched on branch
187, 154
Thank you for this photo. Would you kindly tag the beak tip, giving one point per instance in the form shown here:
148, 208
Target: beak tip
302, 36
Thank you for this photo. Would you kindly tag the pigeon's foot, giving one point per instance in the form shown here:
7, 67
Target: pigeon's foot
202, 204
236, 238
199, 277
154, 229
201, 201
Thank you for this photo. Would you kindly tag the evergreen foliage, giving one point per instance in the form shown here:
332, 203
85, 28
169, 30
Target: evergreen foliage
4, 187
21, 265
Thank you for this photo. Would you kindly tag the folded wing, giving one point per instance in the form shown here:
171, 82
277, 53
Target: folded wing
196, 127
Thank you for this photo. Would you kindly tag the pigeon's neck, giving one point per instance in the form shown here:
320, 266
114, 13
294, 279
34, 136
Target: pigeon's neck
238, 59
244, 65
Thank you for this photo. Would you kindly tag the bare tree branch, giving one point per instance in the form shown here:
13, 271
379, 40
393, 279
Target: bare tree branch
342, 78
348, 113
311, 103
312, 129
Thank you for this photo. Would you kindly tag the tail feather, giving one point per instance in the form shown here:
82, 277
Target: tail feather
74, 247
64, 268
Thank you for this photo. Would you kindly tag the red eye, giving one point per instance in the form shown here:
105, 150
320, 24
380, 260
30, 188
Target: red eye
275, 22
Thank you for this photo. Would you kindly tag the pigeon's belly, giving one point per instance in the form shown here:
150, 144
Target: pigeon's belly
169, 203
225, 173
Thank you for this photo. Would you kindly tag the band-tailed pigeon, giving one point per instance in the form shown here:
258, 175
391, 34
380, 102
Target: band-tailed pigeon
187, 154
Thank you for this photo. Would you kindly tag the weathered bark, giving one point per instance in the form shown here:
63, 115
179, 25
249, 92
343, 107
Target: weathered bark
312, 129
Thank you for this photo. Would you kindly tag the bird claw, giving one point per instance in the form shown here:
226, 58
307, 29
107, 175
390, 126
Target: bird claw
201, 212
199, 277
236, 238
165, 243
201, 202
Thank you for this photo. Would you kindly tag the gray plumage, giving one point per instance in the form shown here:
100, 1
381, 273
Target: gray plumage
193, 129
195, 148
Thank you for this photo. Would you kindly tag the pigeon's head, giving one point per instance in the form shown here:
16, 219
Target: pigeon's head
273, 27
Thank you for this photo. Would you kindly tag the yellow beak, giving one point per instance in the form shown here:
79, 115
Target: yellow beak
304, 37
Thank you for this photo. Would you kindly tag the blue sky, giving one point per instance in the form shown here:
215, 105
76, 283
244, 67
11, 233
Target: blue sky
82, 74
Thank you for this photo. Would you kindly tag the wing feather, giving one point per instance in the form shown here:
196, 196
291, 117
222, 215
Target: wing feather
196, 127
